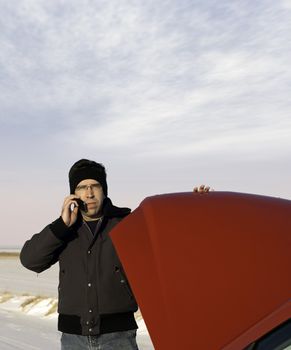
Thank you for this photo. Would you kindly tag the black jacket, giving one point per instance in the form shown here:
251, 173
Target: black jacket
94, 294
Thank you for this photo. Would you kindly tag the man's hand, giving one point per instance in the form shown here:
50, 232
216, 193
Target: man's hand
202, 189
69, 216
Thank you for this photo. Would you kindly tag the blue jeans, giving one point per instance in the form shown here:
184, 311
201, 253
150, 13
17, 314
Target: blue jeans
125, 340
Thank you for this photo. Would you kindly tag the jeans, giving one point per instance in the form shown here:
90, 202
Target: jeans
125, 340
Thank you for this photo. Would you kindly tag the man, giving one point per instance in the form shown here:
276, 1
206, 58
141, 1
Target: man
96, 305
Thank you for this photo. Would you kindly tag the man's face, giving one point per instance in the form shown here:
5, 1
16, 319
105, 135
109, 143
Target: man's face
91, 192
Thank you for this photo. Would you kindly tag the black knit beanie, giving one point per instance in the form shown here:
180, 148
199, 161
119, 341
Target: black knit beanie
87, 169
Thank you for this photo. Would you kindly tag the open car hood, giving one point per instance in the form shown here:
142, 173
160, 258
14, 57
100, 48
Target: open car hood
209, 271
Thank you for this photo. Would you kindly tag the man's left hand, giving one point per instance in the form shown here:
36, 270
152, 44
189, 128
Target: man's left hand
202, 189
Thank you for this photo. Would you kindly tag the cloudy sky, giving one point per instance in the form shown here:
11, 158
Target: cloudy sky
166, 94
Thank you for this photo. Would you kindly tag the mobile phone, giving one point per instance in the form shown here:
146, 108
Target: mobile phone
82, 205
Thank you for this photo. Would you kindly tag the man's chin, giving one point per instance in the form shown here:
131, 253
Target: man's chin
92, 213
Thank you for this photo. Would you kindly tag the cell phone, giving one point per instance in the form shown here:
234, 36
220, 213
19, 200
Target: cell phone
82, 205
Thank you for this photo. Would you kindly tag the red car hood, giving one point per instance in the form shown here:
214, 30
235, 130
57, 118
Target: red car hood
209, 271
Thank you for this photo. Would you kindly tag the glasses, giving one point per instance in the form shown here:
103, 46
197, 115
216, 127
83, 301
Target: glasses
93, 187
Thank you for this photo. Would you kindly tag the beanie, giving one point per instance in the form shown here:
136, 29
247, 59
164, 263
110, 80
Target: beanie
87, 169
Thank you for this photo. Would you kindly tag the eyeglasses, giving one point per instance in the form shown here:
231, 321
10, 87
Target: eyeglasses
93, 187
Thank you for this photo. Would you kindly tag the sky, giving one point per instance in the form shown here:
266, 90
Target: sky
166, 94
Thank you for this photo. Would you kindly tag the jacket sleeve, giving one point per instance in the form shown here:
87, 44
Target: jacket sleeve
43, 249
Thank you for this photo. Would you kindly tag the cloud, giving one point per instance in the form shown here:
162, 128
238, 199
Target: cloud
286, 4
159, 77
165, 93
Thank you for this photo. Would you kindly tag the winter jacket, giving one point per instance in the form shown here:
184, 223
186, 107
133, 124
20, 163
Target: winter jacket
94, 294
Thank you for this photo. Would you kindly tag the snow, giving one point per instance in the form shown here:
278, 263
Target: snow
18, 280
21, 331
28, 314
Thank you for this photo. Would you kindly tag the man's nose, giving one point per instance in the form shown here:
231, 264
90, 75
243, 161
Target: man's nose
90, 192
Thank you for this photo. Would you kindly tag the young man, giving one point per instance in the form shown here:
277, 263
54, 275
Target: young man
96, 305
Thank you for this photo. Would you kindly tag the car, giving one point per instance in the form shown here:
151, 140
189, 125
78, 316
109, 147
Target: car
210, 270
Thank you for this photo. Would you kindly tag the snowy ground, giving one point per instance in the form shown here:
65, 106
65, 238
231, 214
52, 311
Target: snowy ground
28, 315
20, 331
17, 279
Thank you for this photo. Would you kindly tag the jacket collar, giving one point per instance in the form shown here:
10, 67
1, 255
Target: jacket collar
111, 211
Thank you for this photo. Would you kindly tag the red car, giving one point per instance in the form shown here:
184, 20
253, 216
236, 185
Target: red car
210, 271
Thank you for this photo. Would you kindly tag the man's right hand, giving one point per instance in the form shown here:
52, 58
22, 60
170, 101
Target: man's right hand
69, 216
